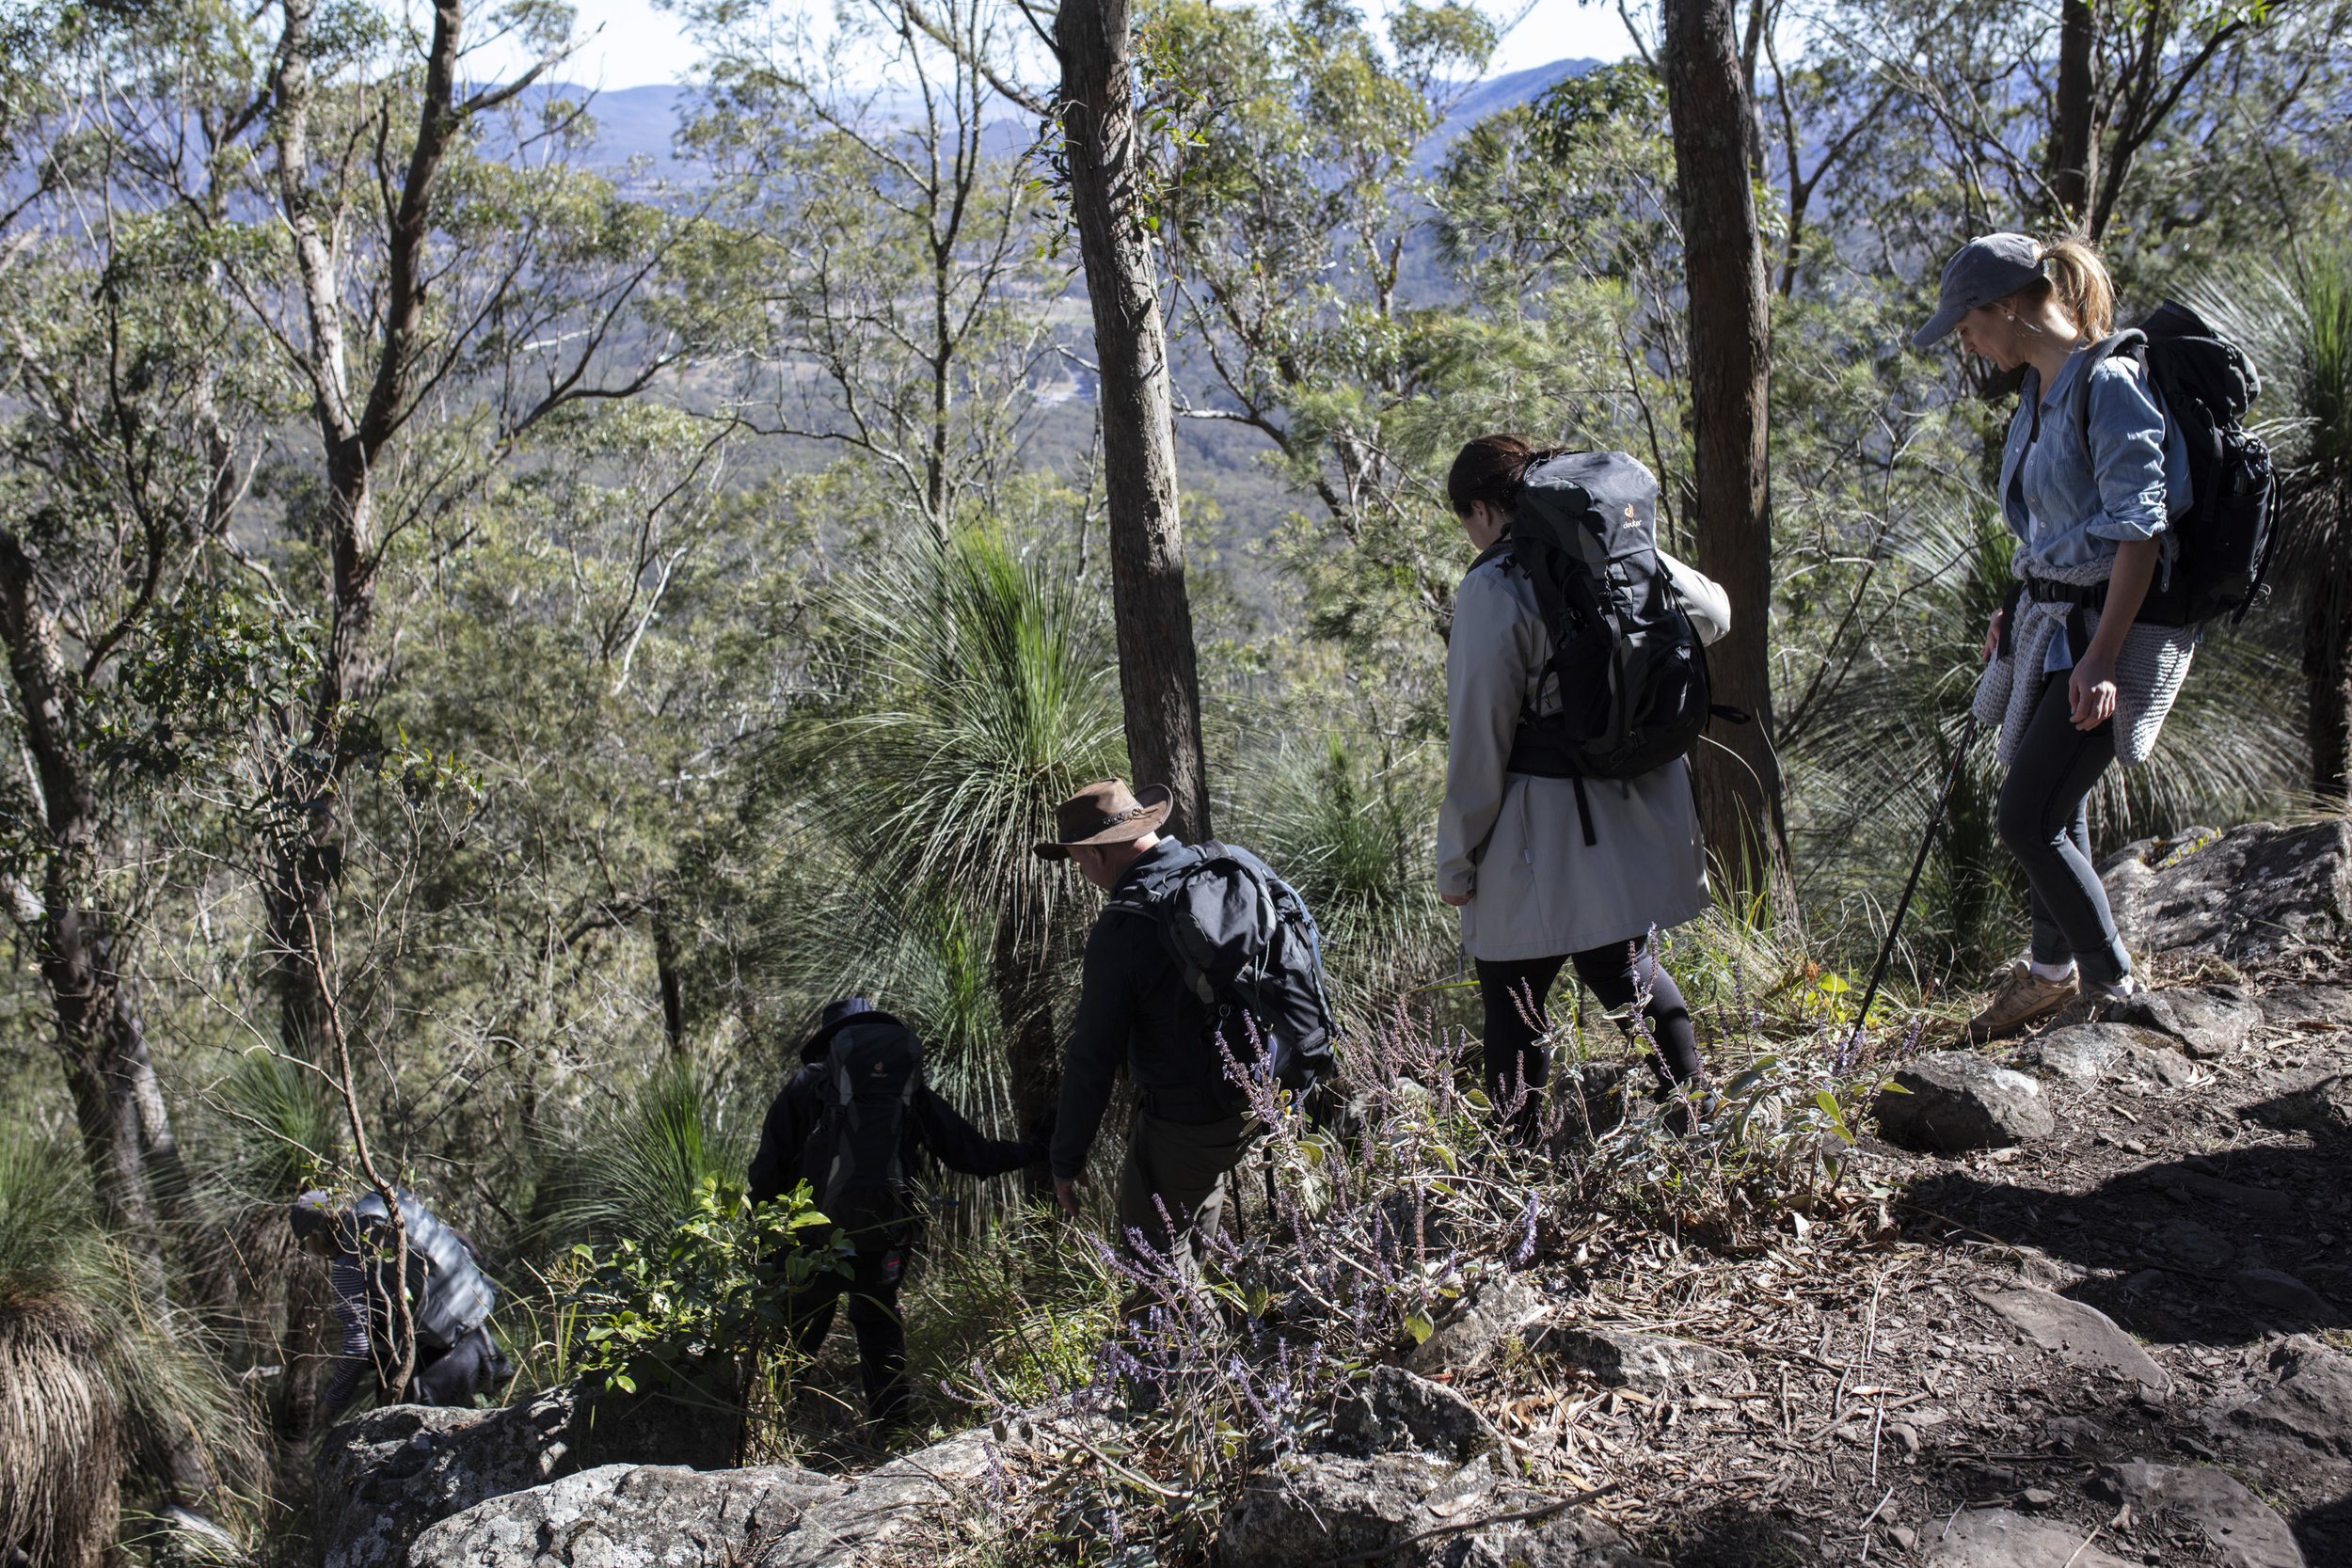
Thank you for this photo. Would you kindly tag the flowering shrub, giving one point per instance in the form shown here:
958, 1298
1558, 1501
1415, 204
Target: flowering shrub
1347, 1243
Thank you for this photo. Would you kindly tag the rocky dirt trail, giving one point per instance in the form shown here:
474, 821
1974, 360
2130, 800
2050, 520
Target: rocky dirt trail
2084, 1303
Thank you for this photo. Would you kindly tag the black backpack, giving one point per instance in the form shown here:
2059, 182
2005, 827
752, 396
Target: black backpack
449, 1295
1630, 669
2224, 534
853, 1162
1247, 948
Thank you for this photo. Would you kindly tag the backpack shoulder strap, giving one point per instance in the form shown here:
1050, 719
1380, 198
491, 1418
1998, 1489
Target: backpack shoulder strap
2131, 344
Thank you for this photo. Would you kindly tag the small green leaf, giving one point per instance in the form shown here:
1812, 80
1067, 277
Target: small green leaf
1420, 1327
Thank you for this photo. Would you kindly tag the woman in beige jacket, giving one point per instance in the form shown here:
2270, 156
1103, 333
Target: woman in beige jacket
1511, 852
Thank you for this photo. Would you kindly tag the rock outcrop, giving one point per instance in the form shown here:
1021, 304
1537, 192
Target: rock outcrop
1950, 1101
2244, 894
2079, 1335
628, 1516
1310, 1508
2243, 1530
1398, 1409
1470, 1338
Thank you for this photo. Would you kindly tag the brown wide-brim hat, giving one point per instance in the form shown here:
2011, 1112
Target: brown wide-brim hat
1106, 813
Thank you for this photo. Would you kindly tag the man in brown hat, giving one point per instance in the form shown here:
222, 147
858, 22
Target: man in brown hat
1192, 1125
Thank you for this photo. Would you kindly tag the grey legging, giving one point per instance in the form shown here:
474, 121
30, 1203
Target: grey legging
2044, 819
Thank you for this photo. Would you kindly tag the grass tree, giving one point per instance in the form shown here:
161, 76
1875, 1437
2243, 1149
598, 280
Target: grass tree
99, 1386
964, 690
2296, 324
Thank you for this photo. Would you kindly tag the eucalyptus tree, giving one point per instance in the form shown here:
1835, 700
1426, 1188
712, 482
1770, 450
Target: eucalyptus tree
896, 289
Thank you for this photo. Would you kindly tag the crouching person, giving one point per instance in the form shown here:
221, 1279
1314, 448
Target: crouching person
1204, 970
851, 1123
450, 1301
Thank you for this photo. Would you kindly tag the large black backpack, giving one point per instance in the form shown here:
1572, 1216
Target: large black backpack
2223, 535
1630, 669
449, 1295
1248, 949
854, 1161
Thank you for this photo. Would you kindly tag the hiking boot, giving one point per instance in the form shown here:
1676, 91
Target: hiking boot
2024, 998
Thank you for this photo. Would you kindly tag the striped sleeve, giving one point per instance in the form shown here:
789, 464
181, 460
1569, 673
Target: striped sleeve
350, 1283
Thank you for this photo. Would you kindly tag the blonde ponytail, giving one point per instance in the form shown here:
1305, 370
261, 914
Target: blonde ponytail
2079, 281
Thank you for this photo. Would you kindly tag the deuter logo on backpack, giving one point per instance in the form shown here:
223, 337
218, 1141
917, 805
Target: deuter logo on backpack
2223, 530
854, 1160
1247, 947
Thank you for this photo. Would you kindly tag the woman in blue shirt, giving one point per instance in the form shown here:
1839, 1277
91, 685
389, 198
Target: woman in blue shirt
2073, 678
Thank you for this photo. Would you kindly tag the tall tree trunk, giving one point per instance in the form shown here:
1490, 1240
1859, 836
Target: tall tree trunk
1730, 323
1159, 679
2070, 140
666, 978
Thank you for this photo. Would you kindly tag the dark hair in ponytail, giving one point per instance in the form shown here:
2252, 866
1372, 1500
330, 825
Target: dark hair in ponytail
1492, 469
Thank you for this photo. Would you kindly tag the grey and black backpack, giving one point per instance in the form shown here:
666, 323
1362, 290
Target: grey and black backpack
855, 1162
449, 1295
1247, 948
1630, 670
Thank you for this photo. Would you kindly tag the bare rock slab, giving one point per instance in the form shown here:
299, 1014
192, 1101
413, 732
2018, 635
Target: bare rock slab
1646, 1363
386, 1476
886, 1512
1950, 1101
2284, 1294
2083, 1336
2244, 1531
1468, 1340
2310, 1405
2250, 891
1997, 1538
2289, 1005
1402, 1409
1311, 1508
2085, 1053
2205, 1023
628, 1516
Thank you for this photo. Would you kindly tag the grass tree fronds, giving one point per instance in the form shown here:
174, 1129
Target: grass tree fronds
95, 1391
634, 1167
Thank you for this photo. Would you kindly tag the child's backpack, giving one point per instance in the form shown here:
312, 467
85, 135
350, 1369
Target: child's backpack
1630, 669
853, 1162
449, 1295
2223, 535
1246, 945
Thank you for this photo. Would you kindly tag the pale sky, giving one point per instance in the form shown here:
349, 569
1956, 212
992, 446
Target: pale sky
636, 45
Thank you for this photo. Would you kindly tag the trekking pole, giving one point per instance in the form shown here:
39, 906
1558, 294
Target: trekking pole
1935, 820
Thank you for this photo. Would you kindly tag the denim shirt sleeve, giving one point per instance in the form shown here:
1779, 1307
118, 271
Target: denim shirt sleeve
2126, 437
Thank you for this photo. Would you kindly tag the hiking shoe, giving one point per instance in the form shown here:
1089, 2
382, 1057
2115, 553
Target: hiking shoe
2024, 998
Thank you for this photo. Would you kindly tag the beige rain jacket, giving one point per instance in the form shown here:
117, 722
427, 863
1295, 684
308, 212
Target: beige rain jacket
1516, 840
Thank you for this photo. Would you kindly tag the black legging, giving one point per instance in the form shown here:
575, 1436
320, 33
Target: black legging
1513, 994
872, 1289
2043, 817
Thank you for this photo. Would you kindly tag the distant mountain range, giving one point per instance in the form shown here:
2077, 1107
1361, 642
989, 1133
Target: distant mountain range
640, 122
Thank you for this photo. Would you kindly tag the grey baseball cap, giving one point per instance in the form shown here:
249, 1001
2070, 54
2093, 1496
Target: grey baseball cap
1982, 271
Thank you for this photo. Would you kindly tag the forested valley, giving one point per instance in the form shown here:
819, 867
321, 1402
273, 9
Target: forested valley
497, 638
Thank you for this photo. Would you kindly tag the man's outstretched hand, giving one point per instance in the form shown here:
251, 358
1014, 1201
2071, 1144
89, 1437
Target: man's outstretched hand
1066, 1193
